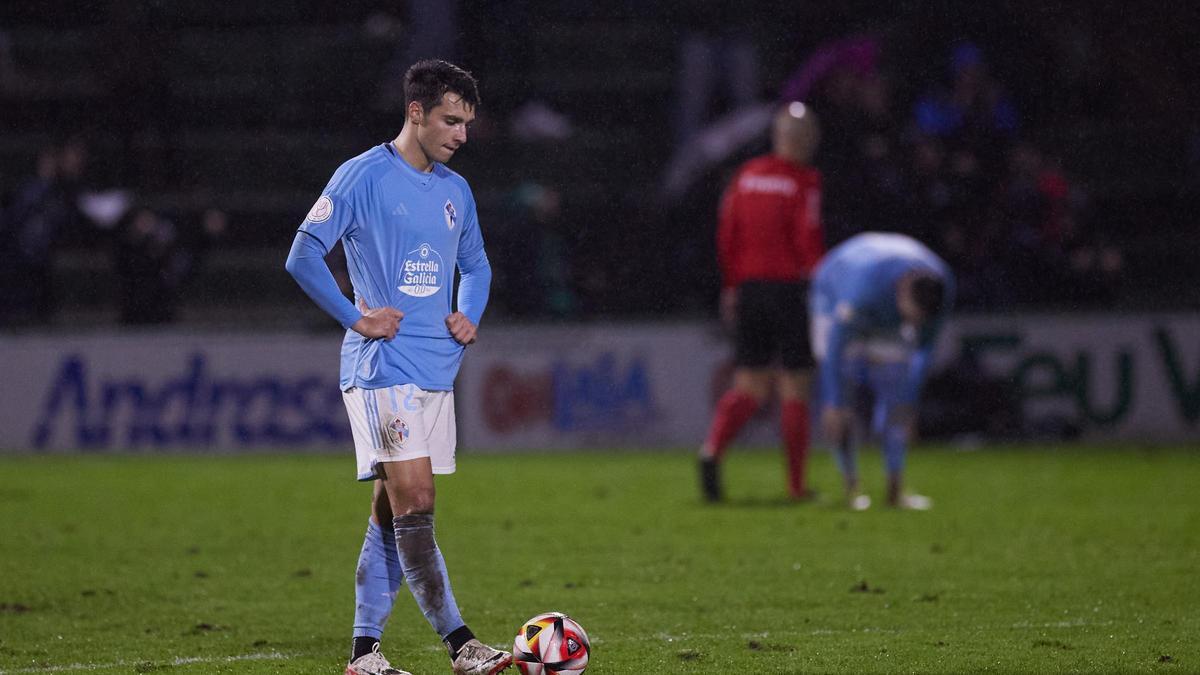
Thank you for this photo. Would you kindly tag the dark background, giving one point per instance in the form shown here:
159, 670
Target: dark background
224, 121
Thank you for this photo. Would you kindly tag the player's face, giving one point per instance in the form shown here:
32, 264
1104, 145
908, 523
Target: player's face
443, 130
910, 312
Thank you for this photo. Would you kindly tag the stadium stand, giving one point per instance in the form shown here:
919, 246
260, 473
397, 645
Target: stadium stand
247, 108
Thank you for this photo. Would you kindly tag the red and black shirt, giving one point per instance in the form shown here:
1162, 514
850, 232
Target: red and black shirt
770, 223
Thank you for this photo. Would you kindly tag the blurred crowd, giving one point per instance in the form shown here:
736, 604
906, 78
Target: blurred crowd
56, 208
956, 170
949, 156
953, 164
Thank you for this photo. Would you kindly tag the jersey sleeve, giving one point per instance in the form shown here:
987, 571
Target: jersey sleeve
841, 329
330, 218
476, 282
839, 288
306, 264
332, 215
918, 368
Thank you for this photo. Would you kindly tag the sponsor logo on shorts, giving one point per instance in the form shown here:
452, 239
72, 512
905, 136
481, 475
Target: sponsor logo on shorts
844, 311
397, 431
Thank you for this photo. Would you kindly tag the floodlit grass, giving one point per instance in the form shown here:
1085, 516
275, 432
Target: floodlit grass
1058, 559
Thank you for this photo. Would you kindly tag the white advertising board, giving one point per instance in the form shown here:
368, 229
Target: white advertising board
162, 391
604, 386
1114, 377
588, 386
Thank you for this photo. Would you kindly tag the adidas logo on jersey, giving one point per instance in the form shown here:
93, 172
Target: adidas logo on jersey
400, 210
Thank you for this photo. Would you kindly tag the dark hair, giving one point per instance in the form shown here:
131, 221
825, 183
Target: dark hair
929, 293
427, 81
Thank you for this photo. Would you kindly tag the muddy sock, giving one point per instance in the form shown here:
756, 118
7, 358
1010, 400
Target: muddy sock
376, 582
425, 572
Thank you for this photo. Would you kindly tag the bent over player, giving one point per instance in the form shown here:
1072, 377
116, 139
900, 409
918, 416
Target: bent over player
769, 239
877, 303
406, 222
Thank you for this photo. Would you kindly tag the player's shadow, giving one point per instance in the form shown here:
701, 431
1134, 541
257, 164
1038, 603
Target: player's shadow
772, 502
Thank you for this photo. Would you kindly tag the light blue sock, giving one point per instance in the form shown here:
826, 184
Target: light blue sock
376, 581
895, 448
425, 572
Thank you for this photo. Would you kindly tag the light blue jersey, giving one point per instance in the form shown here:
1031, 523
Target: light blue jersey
853, 299
404, 232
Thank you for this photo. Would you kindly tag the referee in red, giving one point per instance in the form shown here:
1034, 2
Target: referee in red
769, 239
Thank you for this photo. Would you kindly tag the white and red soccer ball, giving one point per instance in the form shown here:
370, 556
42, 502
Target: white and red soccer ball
551, 644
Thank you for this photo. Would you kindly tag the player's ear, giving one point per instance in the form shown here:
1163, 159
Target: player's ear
416, 113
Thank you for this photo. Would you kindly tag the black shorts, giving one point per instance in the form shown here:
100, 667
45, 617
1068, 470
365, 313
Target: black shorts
772, 325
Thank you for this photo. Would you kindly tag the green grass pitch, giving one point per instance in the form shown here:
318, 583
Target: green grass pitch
1035, 559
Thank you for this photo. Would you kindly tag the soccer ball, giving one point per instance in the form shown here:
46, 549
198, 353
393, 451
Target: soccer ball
551, 644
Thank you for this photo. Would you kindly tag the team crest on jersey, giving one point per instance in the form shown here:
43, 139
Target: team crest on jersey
451, 215
397, 431
321, 211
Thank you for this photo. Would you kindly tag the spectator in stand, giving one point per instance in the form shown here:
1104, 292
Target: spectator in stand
768, 241
43, 209
717, 49
947, 209
974, 113
154, 259
831, 81
145, 255
534, 273
876, 189
861, 156
929, 199
844, 60
1040, 208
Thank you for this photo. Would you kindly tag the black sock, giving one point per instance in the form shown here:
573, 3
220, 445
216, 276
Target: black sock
710, 479
456, 639
363, 644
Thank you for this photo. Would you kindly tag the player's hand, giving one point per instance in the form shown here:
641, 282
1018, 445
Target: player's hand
835, 422
381, 322
461, 328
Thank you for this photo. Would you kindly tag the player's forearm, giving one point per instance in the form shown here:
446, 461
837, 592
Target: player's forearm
918, 366
473, 292
832, 368
306, 264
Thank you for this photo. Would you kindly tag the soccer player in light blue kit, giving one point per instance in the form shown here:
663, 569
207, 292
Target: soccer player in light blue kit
406, 222
876, 305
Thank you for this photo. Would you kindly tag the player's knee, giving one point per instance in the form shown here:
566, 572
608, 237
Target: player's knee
416, 502
794, 387
895, 434
753, 383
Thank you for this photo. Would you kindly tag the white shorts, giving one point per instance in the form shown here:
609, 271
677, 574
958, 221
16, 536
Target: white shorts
400, 423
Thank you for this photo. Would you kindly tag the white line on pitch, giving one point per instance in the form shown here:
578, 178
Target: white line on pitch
180, 661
